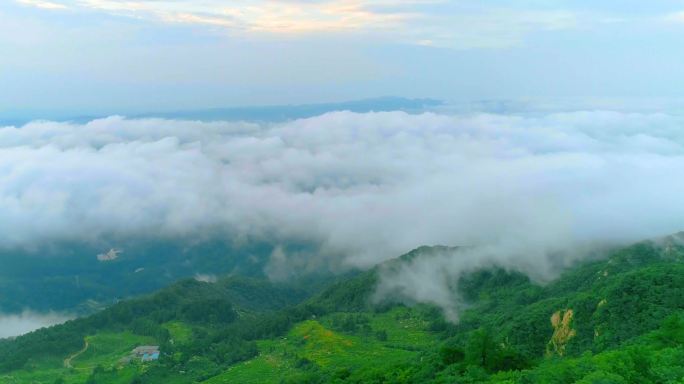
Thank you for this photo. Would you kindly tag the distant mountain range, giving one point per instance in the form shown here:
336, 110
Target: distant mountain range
289, 112
272, 113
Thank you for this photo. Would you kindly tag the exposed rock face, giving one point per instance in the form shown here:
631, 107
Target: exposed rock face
561, 321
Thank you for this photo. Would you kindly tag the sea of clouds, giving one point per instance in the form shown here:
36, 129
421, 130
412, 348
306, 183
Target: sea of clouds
363, 187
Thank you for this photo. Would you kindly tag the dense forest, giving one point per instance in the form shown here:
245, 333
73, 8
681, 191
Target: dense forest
618, 319
68, 276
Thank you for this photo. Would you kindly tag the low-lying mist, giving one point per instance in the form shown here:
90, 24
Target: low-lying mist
18, 324
365, 187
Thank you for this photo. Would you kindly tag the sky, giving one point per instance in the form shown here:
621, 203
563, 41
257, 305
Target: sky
134, 56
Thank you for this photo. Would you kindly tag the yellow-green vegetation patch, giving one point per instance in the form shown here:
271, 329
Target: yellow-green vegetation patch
403, 325
267, 368
320, 344
180, 332
314, 342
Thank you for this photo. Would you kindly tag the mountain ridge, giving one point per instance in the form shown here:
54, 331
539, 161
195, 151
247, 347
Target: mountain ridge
524, 331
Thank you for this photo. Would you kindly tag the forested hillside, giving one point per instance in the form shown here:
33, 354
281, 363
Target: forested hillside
68, 276
619, 319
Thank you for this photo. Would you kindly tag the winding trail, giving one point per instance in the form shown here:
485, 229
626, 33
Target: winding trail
67, 361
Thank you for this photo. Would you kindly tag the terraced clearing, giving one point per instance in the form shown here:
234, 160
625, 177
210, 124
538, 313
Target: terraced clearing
314, 342
180, 332
104, 349
310, 342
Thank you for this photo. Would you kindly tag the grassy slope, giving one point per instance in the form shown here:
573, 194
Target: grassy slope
614, 301
314, 342
104, 349
618, 304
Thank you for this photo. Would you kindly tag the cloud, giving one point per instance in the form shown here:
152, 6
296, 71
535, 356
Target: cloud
432, 274
15, 325
421, 22
675, 17
529, 192
283, 17
42, 4
488, 28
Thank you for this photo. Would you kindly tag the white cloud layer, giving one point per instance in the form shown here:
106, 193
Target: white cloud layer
42, 4
365, 187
